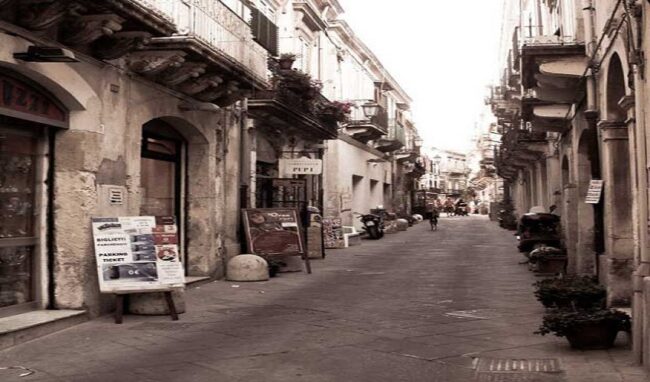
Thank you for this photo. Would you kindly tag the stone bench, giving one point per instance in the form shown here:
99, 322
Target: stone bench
351, 236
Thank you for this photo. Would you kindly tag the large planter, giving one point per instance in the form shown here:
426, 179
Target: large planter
593, 335
552, 265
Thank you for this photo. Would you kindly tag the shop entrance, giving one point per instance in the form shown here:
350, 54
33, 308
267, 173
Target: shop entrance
28, 118
161, 174
19, 218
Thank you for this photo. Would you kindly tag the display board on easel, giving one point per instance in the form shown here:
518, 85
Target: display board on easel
137, 254
274, 232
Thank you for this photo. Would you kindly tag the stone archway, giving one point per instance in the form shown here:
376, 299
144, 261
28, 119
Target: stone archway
616, 270
183, 156
569, 214
589, 217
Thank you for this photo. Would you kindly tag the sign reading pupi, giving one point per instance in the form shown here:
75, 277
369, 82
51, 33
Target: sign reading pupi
301, 166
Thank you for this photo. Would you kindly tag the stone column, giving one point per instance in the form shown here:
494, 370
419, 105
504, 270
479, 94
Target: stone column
616, 269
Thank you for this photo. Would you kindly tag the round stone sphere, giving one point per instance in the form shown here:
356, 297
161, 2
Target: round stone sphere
418, 217
247, 268
402, 224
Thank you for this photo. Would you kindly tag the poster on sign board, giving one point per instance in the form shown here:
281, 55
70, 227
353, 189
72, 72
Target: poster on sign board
273, 231
137, 253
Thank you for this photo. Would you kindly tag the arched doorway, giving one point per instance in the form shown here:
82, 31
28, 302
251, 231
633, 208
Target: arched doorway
29, 118
162, 176
590, 216
569, 214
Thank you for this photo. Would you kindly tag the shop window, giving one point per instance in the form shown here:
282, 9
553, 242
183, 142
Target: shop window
18, 218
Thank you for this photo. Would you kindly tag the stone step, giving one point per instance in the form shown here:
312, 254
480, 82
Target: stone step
25, 327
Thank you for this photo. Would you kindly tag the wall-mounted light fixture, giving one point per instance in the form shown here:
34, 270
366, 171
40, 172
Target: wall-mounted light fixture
370, 109
46, 54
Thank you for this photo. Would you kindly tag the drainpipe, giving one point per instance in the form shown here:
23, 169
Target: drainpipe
590, 41
591, 115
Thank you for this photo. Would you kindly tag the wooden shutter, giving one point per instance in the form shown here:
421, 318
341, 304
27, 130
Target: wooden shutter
265, 32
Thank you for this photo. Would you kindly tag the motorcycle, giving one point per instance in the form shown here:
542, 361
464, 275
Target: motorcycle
373, 225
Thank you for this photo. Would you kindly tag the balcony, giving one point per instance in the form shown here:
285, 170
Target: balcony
394, 140
210, 32
200, 48
366, 129
544, 57
291, 109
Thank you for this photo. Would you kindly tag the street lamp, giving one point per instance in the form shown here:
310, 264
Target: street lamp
370, 109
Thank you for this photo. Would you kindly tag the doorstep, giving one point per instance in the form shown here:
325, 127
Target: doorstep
25, 327
193, 281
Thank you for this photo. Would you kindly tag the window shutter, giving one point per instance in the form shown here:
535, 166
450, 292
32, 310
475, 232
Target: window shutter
265, 32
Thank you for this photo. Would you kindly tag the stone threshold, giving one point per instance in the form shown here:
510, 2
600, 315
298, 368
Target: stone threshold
25, 327
193, 281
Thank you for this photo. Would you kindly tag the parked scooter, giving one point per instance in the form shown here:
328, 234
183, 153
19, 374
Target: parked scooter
462, 209
373, 225
537, 229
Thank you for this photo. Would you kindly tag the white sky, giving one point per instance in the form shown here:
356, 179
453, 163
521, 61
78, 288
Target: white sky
442, 52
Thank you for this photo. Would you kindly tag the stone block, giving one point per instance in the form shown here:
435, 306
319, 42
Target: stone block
154, 304
402, 224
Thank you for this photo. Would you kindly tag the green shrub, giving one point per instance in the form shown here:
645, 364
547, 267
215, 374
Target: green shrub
562, 322
570, 291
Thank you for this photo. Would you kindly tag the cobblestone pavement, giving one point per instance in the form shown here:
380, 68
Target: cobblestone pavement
451, 305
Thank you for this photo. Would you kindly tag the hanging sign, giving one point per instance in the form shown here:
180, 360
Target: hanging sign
594, 192
301, 166
273, 231
137, 253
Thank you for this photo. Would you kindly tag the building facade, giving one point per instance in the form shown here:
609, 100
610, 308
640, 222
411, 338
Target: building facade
572, 109
116, 109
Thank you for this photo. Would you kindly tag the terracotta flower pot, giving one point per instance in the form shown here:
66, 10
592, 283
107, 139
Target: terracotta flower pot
593, 335
286, 63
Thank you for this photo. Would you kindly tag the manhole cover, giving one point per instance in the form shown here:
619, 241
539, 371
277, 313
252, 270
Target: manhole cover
517, 377
518, 370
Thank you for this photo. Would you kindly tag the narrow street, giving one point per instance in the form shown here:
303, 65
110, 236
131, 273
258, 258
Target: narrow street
415, 306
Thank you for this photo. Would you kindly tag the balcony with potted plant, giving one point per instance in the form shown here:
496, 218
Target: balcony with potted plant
294, 103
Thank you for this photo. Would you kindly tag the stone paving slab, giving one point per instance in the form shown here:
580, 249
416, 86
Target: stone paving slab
415, 306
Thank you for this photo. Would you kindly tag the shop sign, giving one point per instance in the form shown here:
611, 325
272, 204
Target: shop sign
594, 192
17, 96
301, 166
273, 231
137, 253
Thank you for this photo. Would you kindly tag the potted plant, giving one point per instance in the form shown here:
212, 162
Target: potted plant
334, 111
547, 260
286, 60
585, 329
581, 292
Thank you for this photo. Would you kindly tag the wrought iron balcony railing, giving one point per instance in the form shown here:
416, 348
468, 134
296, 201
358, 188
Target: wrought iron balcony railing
217, 27
358, 117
